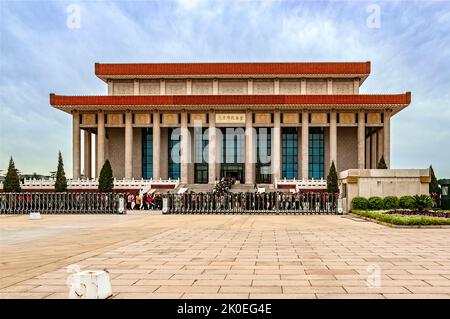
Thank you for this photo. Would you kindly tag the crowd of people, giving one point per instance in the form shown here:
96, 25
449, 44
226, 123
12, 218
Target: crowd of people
224, 185
209, 202
144, 201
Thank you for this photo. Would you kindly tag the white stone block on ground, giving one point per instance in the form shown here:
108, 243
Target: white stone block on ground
35, 215
90, 284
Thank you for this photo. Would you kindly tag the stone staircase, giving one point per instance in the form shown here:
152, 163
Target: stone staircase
242, 188
199, 188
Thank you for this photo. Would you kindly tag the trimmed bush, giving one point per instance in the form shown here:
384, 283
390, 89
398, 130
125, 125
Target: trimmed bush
106, 179
12, 180
422, 202
61, 181
391, 202
375, 203
332, 180
360, 203
407, 202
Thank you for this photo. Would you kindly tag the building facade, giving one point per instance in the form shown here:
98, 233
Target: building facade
258, 122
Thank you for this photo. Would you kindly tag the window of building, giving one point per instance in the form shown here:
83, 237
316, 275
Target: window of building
200, 156
174, 153
289, 153
233, 146
316, 153
263, 155
147, 153
233, 153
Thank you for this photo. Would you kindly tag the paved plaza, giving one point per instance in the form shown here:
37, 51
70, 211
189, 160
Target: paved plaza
224, 256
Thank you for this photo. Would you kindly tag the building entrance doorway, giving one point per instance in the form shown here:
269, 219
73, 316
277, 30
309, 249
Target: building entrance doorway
233, 170
233, 153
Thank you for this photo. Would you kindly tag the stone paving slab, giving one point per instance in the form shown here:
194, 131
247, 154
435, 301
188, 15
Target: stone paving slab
224, 256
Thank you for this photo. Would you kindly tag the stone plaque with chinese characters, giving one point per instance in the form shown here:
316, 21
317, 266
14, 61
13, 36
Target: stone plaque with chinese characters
230, 118
373, 118
263, 118
291, 118
347, 118
319, 118
170, 118
142, 119
198, 117
88, 119
115, 119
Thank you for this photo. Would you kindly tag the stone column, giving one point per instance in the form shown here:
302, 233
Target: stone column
136, 87
387, 138
76, 145
96, 155
128, 145
87, 154
333, 139
110, 87
303, 86
249, 149
162, 87
373, 149
250, 87
101, 135
156, 146
330, 86
380, 147
276, 147
188, 86
305, 145
215, 87
185, 149
356, 86
361, 140
212, 145
276, 86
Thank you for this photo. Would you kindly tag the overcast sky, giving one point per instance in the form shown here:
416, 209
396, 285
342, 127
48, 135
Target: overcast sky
44, 49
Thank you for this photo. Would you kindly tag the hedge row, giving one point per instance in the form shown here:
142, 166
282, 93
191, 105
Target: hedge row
403, 220
392, 202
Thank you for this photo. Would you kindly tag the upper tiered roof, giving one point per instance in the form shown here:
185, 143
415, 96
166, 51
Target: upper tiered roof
241, 69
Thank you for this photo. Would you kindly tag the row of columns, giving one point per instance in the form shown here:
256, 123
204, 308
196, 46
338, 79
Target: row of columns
250, 152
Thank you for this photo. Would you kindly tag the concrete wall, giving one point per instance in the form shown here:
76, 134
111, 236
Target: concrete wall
382, 182
116, 151
199, 86
137, 153
347, 148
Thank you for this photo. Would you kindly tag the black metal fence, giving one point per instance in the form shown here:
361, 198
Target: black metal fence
61, 203
275, 202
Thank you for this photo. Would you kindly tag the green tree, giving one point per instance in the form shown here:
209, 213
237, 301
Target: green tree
12, 181
106, 180
61, 181
382, 163
434, 186
332, 180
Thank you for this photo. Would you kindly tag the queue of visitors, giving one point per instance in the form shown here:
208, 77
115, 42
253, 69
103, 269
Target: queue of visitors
144, 201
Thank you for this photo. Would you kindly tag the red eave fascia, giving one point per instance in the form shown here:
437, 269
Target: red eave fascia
388, 99
103, 70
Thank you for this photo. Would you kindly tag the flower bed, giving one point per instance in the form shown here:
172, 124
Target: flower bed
403, 219
441, 214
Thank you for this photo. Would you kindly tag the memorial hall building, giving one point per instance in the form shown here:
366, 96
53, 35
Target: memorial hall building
257, 122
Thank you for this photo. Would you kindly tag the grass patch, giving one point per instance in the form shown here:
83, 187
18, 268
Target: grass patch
396, 219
